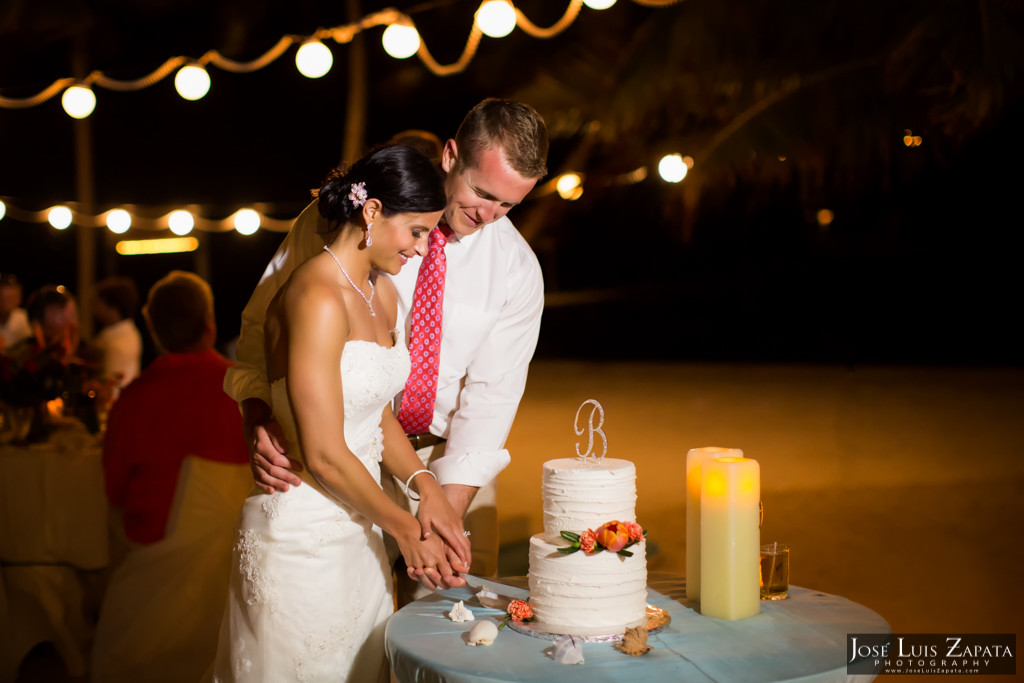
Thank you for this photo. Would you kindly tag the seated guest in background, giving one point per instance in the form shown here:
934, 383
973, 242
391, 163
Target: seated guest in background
177, 465
53, 317
118, 342
176, 408
14, 325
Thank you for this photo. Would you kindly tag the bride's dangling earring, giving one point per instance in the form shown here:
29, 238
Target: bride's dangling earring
369, 240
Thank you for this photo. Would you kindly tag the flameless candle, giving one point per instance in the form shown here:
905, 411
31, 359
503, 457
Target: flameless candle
694, 458
730, 538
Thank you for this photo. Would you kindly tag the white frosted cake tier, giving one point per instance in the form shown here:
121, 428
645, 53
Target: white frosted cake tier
580, 494
581, 594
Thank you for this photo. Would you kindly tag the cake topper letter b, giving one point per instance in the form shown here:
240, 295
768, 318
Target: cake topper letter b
596, 412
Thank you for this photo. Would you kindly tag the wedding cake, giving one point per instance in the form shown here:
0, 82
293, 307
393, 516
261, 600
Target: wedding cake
592, 579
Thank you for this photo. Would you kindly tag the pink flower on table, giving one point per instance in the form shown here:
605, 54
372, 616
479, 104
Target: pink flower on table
519, 610
613, 536
636, 532
587, 541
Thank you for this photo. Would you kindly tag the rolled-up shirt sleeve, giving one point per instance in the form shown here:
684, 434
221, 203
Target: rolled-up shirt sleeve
494, 384
248, 378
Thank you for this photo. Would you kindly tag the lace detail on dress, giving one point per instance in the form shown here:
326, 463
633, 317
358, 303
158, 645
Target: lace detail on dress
377, 444
326, 533
273, 505
241, 664
259, 586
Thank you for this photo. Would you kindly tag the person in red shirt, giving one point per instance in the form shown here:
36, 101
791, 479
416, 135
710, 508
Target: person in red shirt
176, 408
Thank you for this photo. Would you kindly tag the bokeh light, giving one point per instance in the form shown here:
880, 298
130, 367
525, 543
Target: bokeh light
247, 221
496, 18
180, 222
59, 217
78, 101
672, 168
118, 221
314, 59
192, 82
400, 41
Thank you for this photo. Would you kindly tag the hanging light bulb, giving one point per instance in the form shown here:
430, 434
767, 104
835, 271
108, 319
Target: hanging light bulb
59, 217
672, 168
314, 59
400, 41
496, 18
3, 210
119, 221
180, 222
247, 221
78, 101
192, 82
598, 4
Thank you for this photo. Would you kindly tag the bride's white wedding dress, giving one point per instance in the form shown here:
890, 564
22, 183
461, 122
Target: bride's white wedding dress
311, 585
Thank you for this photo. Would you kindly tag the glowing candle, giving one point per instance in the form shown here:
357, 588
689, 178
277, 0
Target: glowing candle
730, 538
694, 458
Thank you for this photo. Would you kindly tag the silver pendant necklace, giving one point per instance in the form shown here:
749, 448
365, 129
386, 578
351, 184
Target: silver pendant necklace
368, 300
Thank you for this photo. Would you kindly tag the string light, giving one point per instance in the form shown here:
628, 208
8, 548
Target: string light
181, 222
59, 217
247, 221
508, 18
496, 18
401, 41
313, 59
118, 221
78, 101
192, 82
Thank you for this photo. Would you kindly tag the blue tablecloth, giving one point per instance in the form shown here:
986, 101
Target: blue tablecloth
802, 638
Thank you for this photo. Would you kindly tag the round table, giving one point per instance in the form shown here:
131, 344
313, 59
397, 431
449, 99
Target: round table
801, 638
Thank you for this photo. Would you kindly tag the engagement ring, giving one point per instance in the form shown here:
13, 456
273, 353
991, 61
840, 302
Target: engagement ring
466, 533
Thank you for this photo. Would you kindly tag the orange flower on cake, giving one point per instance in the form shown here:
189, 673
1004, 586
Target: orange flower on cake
613, 536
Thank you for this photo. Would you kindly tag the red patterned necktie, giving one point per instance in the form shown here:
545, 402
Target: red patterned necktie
417, 410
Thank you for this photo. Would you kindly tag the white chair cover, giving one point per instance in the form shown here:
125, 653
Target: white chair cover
161, 615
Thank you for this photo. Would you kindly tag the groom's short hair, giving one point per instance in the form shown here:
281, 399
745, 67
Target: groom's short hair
515, 127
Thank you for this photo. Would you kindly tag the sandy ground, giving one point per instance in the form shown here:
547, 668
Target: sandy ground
898, 488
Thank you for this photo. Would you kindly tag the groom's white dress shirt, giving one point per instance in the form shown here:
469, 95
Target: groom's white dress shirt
493, 300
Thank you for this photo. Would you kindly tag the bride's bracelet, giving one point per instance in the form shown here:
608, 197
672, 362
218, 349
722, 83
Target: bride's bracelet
408, 491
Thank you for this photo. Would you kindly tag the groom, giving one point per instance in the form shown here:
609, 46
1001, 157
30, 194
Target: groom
492, 304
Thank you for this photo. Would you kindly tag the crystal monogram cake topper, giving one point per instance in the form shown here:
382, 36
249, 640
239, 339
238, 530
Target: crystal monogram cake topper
596, 412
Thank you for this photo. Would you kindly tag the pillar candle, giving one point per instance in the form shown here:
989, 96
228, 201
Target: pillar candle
694, 458
730, 538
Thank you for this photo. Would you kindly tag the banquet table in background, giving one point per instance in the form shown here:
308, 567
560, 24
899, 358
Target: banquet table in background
53, 526
802, 638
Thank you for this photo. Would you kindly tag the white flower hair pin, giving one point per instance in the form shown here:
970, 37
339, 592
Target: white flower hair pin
357, 194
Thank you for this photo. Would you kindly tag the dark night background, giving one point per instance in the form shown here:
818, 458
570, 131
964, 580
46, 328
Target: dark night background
920, 265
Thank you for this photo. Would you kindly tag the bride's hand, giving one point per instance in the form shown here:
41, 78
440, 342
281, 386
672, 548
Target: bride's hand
428, 563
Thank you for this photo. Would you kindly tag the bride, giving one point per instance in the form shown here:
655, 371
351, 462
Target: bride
311, 583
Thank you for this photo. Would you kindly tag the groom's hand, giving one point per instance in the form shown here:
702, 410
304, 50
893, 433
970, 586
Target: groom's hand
271, 467
436, 514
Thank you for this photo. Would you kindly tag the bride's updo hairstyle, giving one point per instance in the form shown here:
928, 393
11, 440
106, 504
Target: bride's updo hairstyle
401, 178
